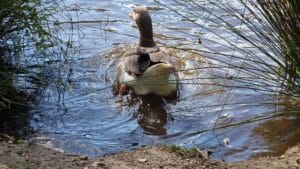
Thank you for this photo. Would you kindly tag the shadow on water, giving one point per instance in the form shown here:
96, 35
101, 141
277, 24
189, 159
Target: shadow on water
15, 114
27, 49
22, 89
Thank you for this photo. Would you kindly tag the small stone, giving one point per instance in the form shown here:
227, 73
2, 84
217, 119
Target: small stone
19, 152
82, 163
209, 153
298, 161
226, 141
142, 160
199, 41
83, 157
98, 164
4, 166
134, 144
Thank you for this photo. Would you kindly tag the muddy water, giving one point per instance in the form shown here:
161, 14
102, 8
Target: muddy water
80, 114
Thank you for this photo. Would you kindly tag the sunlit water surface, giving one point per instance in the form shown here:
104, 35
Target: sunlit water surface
80, 113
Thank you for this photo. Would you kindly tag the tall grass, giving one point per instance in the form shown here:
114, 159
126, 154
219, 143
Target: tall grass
254, 43
283, 21
26, 40
265, 53
276, 27
25, 35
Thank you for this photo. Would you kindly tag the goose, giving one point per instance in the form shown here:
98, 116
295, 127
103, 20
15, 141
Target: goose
146, 68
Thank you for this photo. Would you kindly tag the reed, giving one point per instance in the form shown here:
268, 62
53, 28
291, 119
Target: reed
266, 48
277, 31
25, 37
288, 29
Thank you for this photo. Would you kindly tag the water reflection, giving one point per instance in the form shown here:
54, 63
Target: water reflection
279, 134
152, 115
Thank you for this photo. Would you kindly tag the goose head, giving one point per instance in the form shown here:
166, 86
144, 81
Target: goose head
146, 68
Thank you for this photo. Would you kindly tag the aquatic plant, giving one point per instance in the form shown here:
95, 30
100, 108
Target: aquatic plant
276, 29
263, 49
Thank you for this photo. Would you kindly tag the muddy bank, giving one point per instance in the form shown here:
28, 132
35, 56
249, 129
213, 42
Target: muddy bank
30, 155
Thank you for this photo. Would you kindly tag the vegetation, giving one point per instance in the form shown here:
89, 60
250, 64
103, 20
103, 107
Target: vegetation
25, 35
276, 26
264, 41
186, 152
284, 31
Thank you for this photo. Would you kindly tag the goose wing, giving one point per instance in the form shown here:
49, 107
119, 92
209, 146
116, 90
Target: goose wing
136, 61
156, 54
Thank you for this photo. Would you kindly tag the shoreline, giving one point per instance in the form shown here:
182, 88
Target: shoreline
31, 156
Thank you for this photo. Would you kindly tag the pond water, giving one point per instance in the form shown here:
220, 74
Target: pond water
79, 112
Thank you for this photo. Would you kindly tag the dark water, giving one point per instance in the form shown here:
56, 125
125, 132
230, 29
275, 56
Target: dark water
80, 114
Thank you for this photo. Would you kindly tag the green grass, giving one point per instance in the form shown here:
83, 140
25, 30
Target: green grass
185, 152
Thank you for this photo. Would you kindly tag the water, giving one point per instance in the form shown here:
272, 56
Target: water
80, 114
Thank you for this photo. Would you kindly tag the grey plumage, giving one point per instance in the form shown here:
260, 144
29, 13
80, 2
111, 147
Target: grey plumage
146, 68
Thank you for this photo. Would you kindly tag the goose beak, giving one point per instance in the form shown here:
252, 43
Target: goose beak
132, 15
